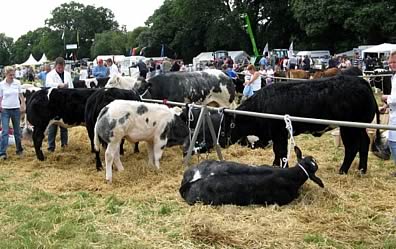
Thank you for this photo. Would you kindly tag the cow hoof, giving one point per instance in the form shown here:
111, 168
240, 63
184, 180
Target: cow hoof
362, 172
40, 157
342, 172
99, 168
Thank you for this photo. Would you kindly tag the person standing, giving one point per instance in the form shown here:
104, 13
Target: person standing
12, 105
58, 78
255, 79
113, 69
43, 74
142, 68
390, 101
100, 71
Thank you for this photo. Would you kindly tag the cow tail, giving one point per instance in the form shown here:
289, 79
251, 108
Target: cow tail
377, 140
96, 138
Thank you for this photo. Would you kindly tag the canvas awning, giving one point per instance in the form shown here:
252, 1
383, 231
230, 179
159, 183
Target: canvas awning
43, 59
384, 48
31, 61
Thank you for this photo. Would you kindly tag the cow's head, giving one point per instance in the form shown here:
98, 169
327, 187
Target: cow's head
123, 82
309, 165
142, 86
176, 131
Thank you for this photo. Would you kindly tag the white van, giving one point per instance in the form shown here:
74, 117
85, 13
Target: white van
320, 58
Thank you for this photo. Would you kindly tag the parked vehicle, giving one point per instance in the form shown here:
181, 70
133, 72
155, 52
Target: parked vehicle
320, 58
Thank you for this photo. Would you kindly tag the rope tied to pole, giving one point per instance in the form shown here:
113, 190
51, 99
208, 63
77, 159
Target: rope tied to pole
190, 118
289, 128
221, 112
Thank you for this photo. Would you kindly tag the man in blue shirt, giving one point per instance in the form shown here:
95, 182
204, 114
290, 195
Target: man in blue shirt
43, 74
100, 71
263, 63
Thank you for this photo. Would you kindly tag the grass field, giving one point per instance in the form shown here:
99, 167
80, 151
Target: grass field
64, 202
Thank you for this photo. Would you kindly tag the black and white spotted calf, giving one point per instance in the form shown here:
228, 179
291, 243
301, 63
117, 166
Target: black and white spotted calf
135, 121
94, 105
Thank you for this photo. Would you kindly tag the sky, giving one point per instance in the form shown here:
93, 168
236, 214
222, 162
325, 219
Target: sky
18, 17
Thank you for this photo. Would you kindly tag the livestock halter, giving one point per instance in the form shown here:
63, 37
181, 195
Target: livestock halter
144, 93
303, 169
289, 127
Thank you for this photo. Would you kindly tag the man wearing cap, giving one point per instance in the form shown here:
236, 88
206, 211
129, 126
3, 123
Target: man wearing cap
58, 78
100, 71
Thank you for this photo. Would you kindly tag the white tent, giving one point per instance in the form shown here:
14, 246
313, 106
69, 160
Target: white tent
43, 59
31, 61
384, 48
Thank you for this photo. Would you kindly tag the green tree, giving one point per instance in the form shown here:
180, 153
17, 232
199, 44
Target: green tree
109, 42
341, 25
192, 26
132, 37
81, 23
5, 49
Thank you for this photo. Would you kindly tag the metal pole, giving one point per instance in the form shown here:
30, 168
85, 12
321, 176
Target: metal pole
194, 138
214, 137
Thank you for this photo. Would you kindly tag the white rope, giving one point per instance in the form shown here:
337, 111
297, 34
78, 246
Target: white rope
190, 118
141, 95
221, 112
291, 144
302, 167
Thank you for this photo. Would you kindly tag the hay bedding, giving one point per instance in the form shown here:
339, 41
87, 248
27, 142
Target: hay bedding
350, 208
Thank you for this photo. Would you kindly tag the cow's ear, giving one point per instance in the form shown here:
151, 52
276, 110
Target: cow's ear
298, 153
117, 79
177, 110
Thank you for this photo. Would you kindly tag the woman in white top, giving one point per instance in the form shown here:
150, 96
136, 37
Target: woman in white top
12, 104
113, 69
390, 100
255, 78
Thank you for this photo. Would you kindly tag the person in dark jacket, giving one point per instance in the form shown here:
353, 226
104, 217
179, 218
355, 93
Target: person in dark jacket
142, 68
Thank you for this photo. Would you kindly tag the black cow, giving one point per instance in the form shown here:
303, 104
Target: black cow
64, 107
210, 87
91, 83
351, 71
342, 98
221, 182
94, 105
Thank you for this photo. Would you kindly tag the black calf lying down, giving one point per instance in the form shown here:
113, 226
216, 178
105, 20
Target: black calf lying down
222, 182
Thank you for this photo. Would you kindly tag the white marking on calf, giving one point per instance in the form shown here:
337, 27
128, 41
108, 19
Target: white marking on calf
197, 176
88, 82
215, 72
221, 98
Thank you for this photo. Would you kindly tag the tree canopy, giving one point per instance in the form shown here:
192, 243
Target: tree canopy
188, 27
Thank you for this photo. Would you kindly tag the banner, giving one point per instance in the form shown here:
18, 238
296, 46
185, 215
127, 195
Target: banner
265, 49
290, 53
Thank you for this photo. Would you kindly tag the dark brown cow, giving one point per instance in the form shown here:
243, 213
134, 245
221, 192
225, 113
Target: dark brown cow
330, 72
298, 74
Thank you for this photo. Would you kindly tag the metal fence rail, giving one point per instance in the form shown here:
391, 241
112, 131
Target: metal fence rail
281, 117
